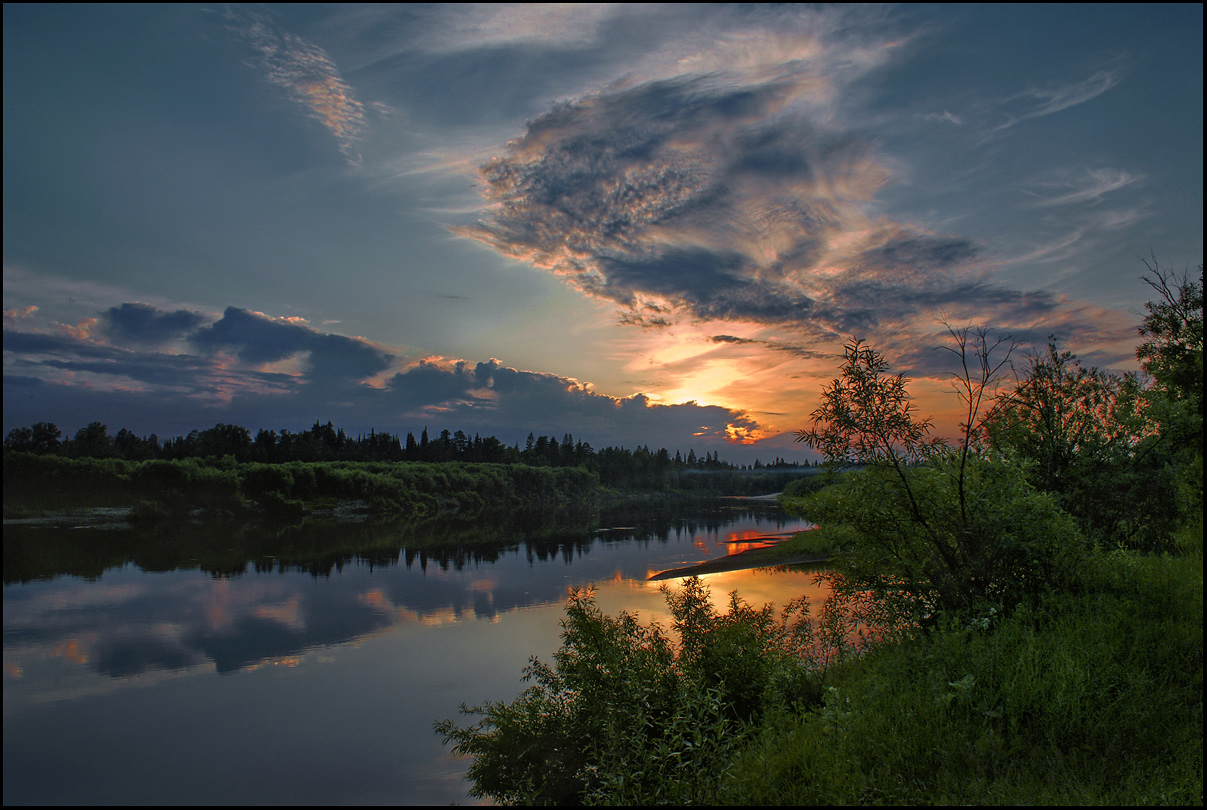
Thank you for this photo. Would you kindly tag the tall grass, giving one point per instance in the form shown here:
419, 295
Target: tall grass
1087, 698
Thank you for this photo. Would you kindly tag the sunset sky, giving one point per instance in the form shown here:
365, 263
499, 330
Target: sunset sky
638, 224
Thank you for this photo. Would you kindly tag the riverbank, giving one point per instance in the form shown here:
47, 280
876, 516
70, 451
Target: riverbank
764, 557
45, 487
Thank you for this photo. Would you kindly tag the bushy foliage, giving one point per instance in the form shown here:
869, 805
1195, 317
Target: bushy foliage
630, 714
1067, 418
907, 539
804, 485
866, 416
1172, 350
930, 527
1089, 440
1052, 671
1123, 457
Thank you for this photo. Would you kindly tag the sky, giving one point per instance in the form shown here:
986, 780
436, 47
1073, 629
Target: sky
638, 224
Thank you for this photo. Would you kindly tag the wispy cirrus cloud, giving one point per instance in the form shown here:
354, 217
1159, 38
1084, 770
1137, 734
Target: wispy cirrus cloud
1058, 97
1069, 187
1037, 102
486, 25
306, 74
944, 117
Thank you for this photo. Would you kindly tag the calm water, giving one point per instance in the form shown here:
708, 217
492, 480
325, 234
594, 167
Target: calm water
316, 686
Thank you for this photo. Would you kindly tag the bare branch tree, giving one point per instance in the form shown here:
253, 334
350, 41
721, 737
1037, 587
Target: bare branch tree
976, 383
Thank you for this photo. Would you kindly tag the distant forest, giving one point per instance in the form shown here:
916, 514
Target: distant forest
225, 471
329, 443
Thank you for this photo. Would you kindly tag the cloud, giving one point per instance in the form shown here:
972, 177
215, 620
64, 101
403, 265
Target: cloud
1071, 188
15, 314
1043, 101
433, 384
258, 339
718, 199
486, 25
493, 397
137, 372
694, 196
306, 74
946, 116
254, 337
744, 192
73, 361
144, 324
1056, 98
803, 352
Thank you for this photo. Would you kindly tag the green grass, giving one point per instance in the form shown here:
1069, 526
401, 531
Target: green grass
1088, 698
1089, 695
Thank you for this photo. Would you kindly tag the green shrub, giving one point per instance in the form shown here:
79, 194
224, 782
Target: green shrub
263, 480
629, 715
946, 535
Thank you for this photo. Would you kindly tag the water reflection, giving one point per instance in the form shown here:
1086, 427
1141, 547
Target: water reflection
376, 642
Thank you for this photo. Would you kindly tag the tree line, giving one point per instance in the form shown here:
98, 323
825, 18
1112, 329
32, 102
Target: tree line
616, 466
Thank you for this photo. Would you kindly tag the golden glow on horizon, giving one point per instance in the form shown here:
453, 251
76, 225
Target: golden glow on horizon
705, 384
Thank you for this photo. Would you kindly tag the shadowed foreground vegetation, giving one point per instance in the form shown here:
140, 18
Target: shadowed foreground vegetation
1016, 619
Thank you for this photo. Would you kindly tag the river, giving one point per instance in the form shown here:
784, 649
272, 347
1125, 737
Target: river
270, 682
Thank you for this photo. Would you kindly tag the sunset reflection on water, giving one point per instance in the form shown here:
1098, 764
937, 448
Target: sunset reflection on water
185, 674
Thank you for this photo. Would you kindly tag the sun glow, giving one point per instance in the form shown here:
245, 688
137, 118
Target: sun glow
705, 384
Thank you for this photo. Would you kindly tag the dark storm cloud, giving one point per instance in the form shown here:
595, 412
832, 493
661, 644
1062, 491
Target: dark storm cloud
142, 323
431, 384
256, 338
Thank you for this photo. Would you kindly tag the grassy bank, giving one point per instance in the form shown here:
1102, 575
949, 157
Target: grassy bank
1091, 696
221, 486
1087, 698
